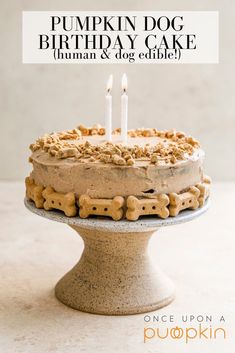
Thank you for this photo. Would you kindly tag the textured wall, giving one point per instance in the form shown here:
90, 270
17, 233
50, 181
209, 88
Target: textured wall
34, 99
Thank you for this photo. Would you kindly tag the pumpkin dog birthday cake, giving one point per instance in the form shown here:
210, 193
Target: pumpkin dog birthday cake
157, 173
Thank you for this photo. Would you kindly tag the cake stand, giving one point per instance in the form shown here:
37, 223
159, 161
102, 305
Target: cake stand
115, 275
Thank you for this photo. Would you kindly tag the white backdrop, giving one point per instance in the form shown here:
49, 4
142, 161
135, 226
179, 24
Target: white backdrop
34, 99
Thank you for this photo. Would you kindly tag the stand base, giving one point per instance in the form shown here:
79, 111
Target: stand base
115, 276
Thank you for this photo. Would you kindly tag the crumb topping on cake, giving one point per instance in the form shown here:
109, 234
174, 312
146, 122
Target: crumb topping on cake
80, 144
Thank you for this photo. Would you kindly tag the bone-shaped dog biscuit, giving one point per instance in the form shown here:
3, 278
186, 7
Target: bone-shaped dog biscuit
34, 192
62, 202
101, 207
188, 199
204, 189
140, 207
206, 179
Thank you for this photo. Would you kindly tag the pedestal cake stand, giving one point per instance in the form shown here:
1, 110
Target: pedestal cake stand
115, 275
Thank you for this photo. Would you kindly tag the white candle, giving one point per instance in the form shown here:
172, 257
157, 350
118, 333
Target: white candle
124, 109
108, 110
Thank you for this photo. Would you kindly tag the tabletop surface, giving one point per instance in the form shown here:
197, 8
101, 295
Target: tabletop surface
35, 253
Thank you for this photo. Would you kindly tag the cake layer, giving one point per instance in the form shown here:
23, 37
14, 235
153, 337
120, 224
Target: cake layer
149, 163
100, 180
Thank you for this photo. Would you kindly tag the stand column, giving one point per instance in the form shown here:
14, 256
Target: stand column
115, 275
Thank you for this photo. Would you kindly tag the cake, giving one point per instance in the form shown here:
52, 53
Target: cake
158, 173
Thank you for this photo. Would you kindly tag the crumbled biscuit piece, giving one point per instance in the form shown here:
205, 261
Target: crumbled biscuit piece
193, 142
180, 134
130, 162
68, 135
105, 158
88, 151
174, 138
173, 159
84, 130
101, 131
154, 158
138, 152
54, 149
148, 133
118, 160
117, 131
67, 152
170, 134
161, 134
132, 133
127, 155
34, 147
116, 150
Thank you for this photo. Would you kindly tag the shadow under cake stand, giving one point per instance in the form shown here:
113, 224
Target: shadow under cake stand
115, 275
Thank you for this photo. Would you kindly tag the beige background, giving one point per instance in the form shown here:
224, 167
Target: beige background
35, 99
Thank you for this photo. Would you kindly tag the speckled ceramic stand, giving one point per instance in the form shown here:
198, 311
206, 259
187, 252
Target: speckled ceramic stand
115, 275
